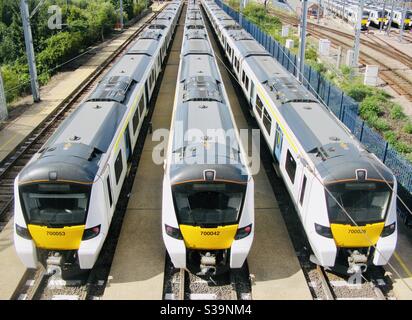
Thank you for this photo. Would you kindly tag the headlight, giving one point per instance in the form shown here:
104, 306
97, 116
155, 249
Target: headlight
388, 230
23, 232
173, 232
323, 231
91, 233
243, 232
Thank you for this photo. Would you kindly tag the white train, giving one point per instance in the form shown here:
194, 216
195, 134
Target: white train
208, 191
397, 18
345, 196
66, 195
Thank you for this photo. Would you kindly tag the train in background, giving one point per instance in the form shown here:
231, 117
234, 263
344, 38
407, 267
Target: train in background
345, 196
373, 14
66, 196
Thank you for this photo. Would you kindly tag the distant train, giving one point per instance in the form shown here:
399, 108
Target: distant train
208, 191
373, 14
66, 195
345, 196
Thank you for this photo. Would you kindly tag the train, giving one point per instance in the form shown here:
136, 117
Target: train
373, 14
208, 190
65, 197
344, 195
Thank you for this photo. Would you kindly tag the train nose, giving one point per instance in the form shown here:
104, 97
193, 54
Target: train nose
67, 238
208, 238
347, 236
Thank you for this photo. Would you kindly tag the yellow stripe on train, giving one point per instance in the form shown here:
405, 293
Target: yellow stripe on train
67, 238
208, 238
347, 236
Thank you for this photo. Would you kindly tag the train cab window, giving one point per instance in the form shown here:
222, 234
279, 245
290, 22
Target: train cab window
55, 204
118, 166
267, 121
365, 202
302, 191
259, 106
208, 203
290, 166
109, 191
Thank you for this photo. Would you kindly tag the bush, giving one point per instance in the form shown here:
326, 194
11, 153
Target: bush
391, 137
408, 128
370, 108
397, 112
358, 92
403, 147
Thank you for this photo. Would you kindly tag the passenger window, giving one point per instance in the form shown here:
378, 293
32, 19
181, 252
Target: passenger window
290, 166
302, 192
247, 84
141, 107
109, 189
118, 166
267, 121
136, 118
259, 106
243, 76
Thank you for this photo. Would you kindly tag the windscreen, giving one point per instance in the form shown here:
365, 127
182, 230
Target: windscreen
208, 203
55, 205
365, 202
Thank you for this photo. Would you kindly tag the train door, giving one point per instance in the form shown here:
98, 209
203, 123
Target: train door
278, 142
128, 145
252, 93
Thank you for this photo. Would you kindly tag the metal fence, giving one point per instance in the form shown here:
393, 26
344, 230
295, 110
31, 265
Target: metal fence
344, 107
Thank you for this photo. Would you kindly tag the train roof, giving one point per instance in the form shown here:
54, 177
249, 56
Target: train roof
198, 43
201, 108
249, 47
147, 46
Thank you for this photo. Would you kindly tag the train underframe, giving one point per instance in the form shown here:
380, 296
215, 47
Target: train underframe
208, 262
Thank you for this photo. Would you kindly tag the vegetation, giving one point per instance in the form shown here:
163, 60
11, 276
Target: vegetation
375, 105
85, 22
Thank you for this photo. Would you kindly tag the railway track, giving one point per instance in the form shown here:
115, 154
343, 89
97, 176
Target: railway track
335, 287
180, 284
21, 155
394, 77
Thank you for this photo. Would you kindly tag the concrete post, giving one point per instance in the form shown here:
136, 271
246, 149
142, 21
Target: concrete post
324, 45
388, 29
358, 34
3, 105
403, 21
349, 58
285, 31
303, 20
28, 38
371, 75
289, 43
121, 15
383, 17
339, 58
